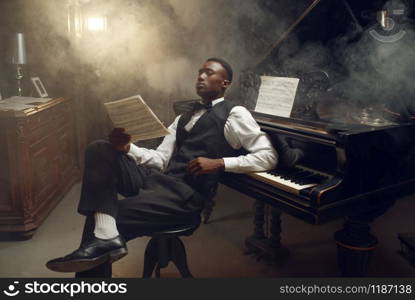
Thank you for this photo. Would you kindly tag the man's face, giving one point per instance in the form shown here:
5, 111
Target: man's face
212, 81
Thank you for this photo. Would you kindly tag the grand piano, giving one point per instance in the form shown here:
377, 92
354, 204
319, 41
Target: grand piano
356, 144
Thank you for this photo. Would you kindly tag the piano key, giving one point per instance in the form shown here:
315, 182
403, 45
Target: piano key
299, 176
307, 179
293, 175
281, 183
286, 173
283, 172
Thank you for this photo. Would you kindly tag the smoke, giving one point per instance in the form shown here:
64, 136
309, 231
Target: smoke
372, 68
149, 47
381, 63
156, 47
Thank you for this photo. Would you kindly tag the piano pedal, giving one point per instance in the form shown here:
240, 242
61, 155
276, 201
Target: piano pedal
250, 251
253, 246
253, 252
269, 263
257, 254
260, 256
276, 257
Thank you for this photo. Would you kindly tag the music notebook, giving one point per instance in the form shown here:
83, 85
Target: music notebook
136, 117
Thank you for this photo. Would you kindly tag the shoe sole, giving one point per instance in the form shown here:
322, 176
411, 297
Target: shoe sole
87, 264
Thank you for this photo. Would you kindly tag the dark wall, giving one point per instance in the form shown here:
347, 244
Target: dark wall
8, 15
52, 55
153, 49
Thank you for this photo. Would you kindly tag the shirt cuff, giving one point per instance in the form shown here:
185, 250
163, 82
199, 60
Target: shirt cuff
231, 163
135, 153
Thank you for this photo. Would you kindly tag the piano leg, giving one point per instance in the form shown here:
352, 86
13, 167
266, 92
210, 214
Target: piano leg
259, 244
254, 244
355, 246
355, 243
280, 253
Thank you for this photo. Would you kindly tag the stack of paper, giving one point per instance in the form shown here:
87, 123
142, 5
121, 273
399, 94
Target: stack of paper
138, 120
21, 103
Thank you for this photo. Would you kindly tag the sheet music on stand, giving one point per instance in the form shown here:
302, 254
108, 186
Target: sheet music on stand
136, 117
276, 95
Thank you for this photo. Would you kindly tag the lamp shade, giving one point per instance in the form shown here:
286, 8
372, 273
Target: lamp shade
19, 50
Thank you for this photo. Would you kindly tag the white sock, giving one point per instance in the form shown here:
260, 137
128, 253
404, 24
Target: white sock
105, 226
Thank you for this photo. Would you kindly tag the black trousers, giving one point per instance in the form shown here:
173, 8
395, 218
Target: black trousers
153, 202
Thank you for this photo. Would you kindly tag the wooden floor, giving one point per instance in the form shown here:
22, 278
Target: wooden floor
216, 250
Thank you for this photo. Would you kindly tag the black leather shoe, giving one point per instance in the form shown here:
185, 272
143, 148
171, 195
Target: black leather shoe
91, 254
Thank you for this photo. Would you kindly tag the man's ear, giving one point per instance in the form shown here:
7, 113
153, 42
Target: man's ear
226, 83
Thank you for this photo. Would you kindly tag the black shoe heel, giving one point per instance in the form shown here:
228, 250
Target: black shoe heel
117, 254
91, 254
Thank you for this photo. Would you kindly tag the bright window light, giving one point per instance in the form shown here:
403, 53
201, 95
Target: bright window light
96, 23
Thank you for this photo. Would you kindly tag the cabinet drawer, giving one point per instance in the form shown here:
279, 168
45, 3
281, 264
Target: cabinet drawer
54, 117
67, 151
38, 163
43, 170
37, 120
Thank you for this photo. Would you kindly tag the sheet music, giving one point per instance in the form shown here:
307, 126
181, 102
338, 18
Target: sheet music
29, 100
138, 120
10, 105
19, 103
276, 95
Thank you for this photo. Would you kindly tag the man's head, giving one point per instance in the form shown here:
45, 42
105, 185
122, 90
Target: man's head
214, 78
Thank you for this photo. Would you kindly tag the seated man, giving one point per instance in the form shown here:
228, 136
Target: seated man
165, 187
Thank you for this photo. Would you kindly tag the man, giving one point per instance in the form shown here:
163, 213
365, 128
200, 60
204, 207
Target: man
165, 187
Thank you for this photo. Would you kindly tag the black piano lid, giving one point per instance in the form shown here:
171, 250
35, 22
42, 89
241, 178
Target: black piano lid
291, 125
320, 23
329, 131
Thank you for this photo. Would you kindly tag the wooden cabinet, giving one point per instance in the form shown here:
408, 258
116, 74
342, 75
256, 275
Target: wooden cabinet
38, 163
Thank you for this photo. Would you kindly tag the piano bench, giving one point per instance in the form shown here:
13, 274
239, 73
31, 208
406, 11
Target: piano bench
408, 246
165, 246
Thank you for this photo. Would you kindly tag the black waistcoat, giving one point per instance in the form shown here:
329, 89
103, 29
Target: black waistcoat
205, 139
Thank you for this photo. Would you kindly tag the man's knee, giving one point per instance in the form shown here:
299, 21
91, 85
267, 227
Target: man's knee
99, 148
99, 151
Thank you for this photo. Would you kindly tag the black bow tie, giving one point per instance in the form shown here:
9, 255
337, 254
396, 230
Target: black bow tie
200, 105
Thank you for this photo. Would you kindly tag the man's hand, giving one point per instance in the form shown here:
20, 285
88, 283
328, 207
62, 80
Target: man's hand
120, 140
203, 165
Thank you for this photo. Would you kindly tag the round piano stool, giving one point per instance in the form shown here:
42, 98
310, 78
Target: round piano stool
166, 246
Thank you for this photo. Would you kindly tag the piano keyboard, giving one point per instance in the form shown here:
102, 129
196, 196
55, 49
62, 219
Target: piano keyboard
291, 181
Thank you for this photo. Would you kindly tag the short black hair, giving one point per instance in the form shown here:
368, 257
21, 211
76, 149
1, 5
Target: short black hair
224, 64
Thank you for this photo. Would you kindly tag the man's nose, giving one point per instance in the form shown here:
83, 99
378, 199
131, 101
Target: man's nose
201, 77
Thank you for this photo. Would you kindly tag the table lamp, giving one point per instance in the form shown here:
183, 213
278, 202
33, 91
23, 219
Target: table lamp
19, 59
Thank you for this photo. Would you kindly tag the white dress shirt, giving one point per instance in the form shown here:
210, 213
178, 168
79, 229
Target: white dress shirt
241, 130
